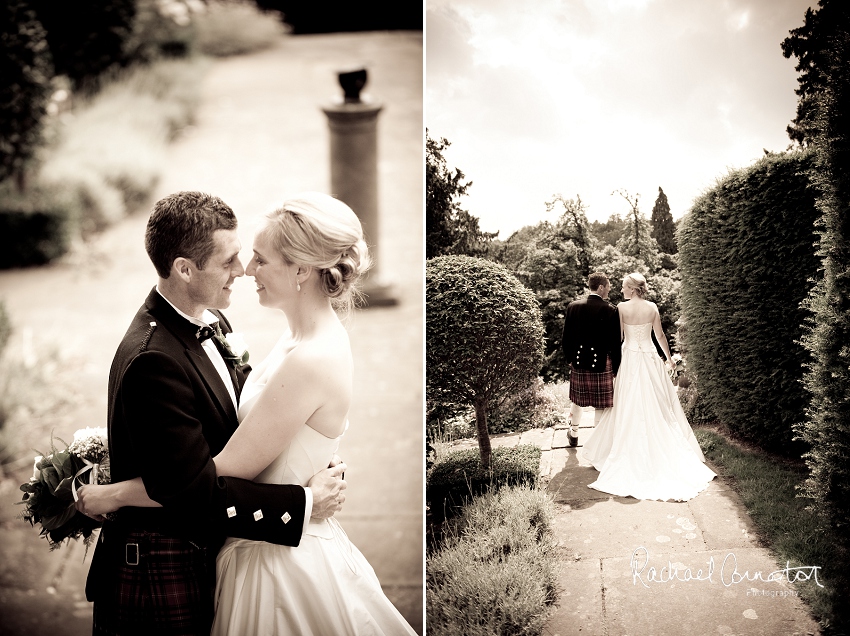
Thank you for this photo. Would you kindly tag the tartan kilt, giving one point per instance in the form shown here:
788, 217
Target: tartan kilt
170, 591
589, 388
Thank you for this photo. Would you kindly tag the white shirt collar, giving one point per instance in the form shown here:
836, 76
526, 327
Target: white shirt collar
208, 316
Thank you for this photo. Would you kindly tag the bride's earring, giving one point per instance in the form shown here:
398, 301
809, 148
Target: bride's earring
297, 285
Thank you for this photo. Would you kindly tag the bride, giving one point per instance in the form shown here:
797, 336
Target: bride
293, 412
644, 447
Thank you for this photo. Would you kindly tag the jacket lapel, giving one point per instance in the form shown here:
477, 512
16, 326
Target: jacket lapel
186, 333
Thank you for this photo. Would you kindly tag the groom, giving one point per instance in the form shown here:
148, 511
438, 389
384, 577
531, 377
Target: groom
591, 345
173, 398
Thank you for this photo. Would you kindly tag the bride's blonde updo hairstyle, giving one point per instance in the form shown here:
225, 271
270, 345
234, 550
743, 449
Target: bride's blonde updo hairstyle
322, 232
637, 282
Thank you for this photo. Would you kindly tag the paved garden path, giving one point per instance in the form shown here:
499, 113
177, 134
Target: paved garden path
259, 137
601, 594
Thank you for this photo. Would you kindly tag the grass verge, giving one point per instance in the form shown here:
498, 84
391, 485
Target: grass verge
768, 488
494, 572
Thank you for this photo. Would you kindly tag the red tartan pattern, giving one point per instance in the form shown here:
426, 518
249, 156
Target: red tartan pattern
169, 592
588, 388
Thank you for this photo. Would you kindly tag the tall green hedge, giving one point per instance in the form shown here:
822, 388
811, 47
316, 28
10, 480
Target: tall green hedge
747, 256
823, 48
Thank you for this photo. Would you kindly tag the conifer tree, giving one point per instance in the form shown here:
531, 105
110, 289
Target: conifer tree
663, 228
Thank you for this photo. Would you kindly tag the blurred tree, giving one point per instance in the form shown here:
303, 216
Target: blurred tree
329, 16
26, 70
609, 233
636, 240
663, 228
86, 37
448, 228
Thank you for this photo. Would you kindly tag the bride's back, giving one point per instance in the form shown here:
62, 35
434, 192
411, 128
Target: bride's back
637, 311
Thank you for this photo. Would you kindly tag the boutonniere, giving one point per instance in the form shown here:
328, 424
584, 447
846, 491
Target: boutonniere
232, 347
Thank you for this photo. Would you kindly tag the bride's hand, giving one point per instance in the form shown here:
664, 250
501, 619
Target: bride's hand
328, 489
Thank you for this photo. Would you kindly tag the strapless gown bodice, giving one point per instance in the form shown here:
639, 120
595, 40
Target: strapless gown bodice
323, 586
638, 338
308, 453
643, 446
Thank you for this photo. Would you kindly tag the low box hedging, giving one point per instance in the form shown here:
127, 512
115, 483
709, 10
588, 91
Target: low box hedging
34, 229
459, 475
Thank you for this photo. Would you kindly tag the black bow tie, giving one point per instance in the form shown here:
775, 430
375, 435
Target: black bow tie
204, 333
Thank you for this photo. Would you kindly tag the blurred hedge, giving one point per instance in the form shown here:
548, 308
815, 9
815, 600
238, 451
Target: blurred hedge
34, 228
104, 164
747, 255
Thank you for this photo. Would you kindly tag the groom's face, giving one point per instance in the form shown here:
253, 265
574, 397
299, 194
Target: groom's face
210, 286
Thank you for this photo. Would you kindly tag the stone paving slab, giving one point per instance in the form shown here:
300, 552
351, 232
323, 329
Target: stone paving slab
710, 606
608, 545
579, 602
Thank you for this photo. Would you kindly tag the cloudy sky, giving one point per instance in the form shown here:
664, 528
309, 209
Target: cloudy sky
585, 97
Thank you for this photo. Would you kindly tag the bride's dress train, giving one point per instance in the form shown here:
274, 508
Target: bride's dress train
643, 446
324, 586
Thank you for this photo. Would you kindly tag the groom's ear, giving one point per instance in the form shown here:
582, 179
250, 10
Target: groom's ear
182, 268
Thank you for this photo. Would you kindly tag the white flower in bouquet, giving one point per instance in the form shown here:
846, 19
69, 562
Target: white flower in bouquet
36, 471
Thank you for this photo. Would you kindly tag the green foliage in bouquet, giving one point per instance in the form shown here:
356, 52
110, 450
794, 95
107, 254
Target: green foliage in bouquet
49, 494
747, 255
484, 336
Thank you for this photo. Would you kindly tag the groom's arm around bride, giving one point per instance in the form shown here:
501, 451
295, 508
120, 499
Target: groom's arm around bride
172, 406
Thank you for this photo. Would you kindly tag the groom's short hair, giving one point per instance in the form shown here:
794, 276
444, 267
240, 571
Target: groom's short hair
596, 279
183, 224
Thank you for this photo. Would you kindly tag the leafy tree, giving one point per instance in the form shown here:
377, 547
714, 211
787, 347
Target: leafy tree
663, 285
553, 260
609, 233
817, 45
663, 228
448, 228
484, 336
636, 240
822, 47
25, 89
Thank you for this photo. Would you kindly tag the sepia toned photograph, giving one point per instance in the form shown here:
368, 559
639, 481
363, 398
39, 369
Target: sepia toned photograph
637, 317
211, 318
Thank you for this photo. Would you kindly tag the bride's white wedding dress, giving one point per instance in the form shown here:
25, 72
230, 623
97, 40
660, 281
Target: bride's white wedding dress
324, 586
643, 446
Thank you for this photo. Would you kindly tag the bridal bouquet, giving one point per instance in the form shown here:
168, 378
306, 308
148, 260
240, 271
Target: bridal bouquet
50, 493
678, 367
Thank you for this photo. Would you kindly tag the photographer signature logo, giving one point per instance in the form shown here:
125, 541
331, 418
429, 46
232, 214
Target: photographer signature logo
728, 573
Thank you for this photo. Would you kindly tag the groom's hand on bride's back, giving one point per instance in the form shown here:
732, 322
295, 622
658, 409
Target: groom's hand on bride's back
328, 489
